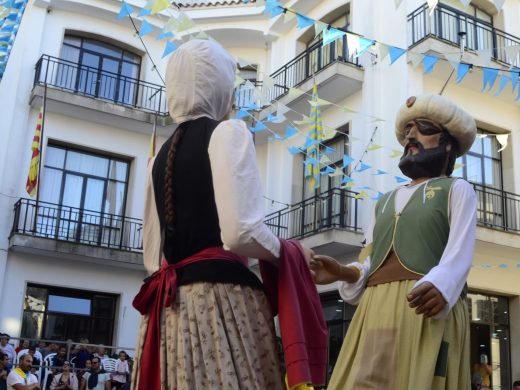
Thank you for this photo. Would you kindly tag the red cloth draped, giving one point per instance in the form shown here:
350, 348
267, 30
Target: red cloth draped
159, 291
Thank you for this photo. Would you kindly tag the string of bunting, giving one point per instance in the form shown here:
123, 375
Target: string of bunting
182, 23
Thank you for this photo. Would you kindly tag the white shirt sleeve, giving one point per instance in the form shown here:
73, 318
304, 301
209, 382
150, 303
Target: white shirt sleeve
450, 275
238, 192
352, 292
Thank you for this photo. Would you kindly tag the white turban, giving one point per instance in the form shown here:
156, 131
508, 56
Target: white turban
440, 110
200, 76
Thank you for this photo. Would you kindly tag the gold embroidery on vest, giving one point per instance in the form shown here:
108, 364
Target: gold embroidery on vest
430, 191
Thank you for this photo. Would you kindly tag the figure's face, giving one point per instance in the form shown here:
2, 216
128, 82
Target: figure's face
424, 156
3, 341
88, 364
96, 365
421, 132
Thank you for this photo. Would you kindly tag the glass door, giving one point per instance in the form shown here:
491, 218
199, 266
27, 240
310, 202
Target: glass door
89, 74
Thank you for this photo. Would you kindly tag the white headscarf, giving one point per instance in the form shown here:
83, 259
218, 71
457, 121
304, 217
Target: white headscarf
199, 81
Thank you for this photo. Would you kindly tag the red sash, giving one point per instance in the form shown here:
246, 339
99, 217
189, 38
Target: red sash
159, 291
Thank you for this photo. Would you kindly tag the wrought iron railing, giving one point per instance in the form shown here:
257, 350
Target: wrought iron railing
65, 223
308, 63
335, 208
100, 84
446, 22
497, 209
245, 95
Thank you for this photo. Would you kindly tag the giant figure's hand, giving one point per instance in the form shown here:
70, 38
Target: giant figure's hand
328, 270
426, 299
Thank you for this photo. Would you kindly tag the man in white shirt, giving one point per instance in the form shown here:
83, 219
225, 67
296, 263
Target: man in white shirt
411, 328
96, 379
7, 348
21, 377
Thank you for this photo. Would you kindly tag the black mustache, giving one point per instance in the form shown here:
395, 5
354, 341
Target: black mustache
417, 144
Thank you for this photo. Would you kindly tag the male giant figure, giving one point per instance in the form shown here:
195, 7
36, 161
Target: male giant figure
411, 328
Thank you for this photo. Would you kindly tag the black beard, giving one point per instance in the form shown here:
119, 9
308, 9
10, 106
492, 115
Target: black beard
426, 163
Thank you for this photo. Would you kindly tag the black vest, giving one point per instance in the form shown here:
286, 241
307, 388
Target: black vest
196, 224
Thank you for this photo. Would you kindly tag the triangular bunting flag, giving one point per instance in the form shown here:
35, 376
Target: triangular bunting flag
169, 48
429, 62
146, 28
328, 170
346, 179
503, 82
453, 59
329, 132
319, 27
515, 77
364, 45
502, 140
399, 179
362, 167
361, 195
144, 12
290, 131
415, 58
282, 109
294, 93
378, 196
331, 34
325, 160
164, 35
395, 53
383, 50
294, 150
374, 147
485, 56
432, 4
396, 153
241, 114
353, 44
259, 126
304, 21
499, 4
289, 15
126, 10
379, 172
347, 160
160, 5
238, 81
512, 53
489, 77
462, 70
397, 3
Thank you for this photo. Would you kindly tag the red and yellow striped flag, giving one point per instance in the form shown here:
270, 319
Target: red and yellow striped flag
32, 179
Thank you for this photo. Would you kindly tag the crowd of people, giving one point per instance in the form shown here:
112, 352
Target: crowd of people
68, 367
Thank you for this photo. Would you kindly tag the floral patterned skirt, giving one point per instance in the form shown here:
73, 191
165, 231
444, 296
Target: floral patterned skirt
216, 336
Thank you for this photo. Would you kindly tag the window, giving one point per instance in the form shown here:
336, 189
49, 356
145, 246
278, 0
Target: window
483, 162
482, 166
62, 314
338, 316
99, 69
87, 196
489, 335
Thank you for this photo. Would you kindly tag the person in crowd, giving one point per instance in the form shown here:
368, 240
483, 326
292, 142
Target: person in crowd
96, 378
101, 352
7, 348
481, 376
81, 371
411, 329
24, 345
4, 370
35, 361
119, 378
203, 218
516, 385
83, 354
65, 380
43, 348
21, 377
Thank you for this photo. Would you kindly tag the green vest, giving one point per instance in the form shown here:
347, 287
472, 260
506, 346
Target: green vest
419, 233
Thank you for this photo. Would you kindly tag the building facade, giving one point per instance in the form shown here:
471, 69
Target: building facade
71, 261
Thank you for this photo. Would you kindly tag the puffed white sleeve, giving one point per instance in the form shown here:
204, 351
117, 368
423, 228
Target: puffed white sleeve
238, 192
450, 275
352, 292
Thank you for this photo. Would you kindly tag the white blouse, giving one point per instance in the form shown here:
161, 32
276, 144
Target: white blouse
450, 275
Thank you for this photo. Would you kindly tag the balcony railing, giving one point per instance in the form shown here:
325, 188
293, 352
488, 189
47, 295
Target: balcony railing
446, 23
65, 223
100, 84
308, 63
498, 209
335, 208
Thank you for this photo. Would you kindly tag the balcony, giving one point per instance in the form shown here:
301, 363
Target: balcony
329, 222
445, 24
76, 233
118, 100
332, 67
497, 209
